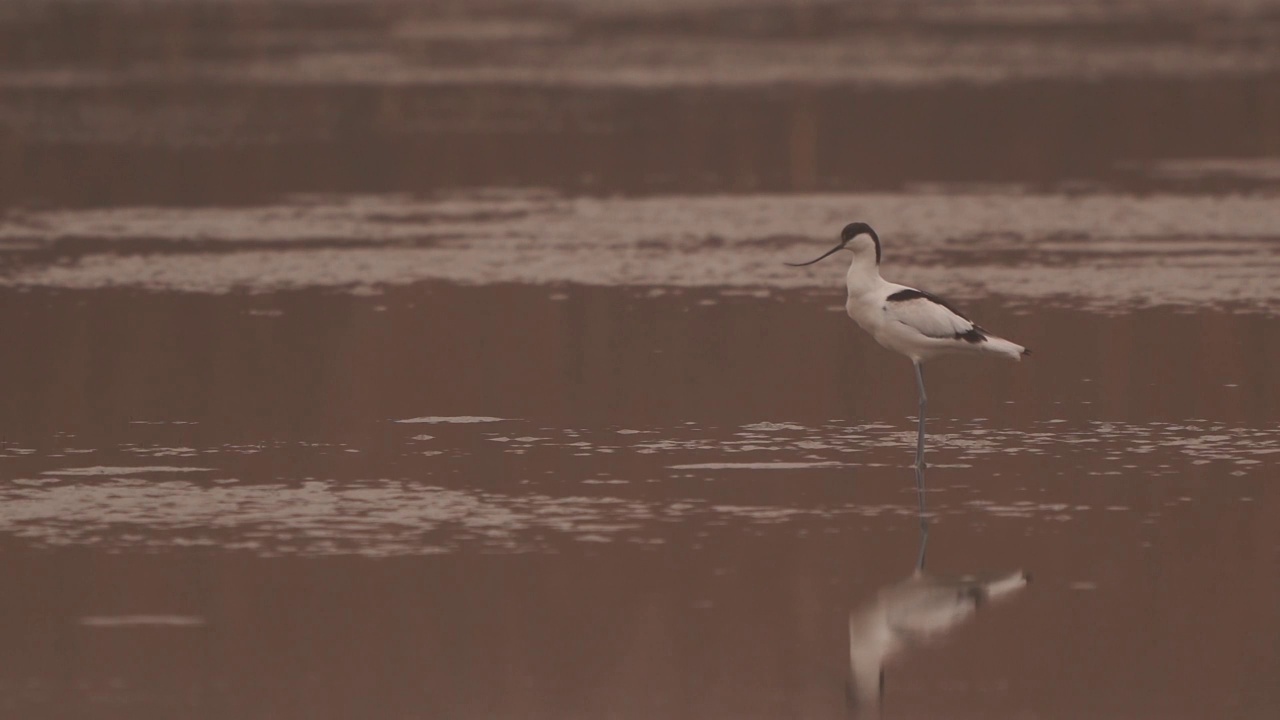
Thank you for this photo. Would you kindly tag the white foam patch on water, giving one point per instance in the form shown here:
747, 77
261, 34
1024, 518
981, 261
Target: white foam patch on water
374, 517
1100, 252
755, 466
772, 426
116, 471
137, 621
158, 452
1257, 168
451, 420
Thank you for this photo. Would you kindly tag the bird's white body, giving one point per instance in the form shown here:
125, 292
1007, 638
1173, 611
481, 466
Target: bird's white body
908, 321
912, 322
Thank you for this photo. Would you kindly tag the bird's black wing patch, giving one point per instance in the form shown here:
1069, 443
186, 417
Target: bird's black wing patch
913, 294
974, 334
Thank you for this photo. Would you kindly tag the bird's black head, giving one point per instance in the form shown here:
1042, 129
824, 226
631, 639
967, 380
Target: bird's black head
851, 231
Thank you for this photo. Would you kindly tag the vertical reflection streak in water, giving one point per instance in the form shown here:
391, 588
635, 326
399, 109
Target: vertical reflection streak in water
911, 613
924, 520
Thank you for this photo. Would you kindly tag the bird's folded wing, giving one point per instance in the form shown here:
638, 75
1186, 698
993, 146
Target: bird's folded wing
929, 317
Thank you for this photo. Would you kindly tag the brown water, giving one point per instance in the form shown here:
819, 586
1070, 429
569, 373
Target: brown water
383, 360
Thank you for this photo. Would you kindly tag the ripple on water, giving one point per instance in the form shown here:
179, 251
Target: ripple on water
641, 45
451, 420
142, 621
375, 517
120, 471
1100, 252
756, 466
453, 506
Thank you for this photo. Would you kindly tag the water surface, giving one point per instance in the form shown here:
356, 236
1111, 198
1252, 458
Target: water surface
402, 361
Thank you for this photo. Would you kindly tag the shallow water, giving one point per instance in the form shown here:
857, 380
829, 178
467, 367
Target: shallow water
1105, 252
387, 361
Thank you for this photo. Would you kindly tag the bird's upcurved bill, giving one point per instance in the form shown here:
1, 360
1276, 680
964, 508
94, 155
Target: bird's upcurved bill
832, 251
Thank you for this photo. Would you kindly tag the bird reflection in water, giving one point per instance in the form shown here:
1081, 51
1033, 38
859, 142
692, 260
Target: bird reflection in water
909, 614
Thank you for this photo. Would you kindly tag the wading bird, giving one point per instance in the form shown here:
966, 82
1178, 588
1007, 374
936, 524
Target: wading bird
909, 321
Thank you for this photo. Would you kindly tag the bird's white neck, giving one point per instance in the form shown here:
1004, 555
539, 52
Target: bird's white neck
863, 276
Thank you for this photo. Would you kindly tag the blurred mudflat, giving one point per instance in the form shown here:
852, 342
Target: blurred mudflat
437, 360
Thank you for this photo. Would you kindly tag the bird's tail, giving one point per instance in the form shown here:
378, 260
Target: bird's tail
1003, 347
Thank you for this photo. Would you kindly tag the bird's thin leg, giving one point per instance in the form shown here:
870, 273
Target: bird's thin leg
924, 523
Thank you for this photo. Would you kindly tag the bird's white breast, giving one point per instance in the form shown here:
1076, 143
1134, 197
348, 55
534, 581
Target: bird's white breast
866, 310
